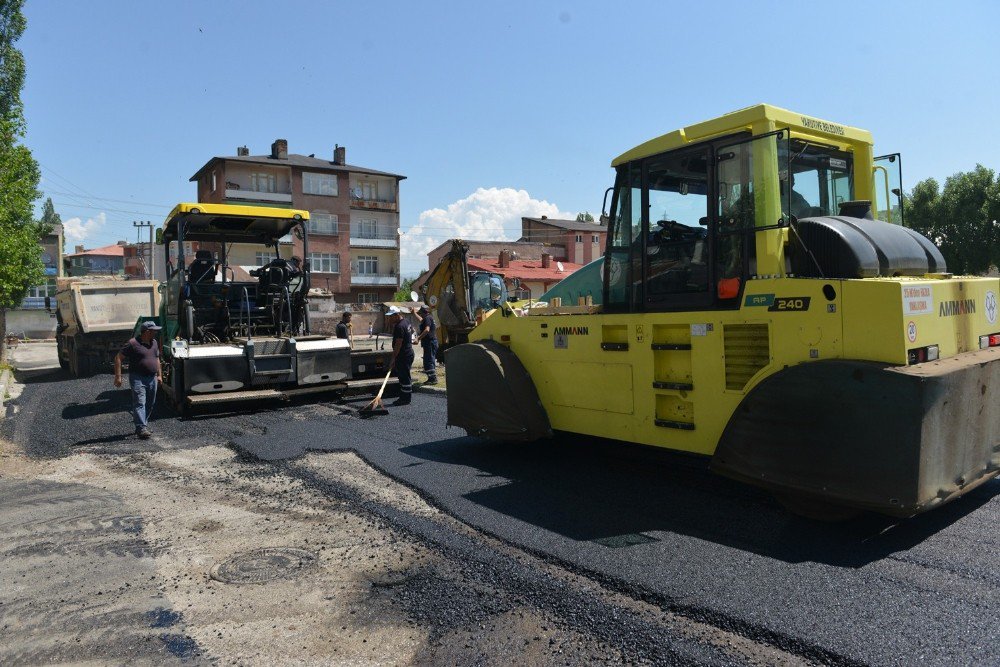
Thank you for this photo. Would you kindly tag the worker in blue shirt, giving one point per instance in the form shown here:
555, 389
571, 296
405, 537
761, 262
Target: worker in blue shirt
402, 353
428, 341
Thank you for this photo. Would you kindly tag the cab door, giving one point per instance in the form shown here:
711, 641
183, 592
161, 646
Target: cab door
888, 180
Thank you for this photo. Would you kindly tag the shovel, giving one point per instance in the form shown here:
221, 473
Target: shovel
376, 407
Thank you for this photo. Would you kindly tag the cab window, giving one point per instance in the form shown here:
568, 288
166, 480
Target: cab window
820, 179
676, 227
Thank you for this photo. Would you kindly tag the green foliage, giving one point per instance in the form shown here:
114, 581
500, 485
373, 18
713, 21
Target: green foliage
404, 290
49, 217
20, 258
12, 24
961, 218
584, 217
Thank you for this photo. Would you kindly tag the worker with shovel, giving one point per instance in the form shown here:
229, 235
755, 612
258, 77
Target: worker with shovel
402, 353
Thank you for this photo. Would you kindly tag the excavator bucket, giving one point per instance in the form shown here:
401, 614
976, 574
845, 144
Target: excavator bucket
491, 395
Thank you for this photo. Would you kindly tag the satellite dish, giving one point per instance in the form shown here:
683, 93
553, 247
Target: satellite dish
560, 266
414, 296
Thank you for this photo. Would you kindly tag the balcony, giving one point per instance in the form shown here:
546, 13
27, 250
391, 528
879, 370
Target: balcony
239, 194
373, 279
373, 204
374, 240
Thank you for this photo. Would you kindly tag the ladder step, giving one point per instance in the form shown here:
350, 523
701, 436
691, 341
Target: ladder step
615, 347
683, 426
671, 346
680, 386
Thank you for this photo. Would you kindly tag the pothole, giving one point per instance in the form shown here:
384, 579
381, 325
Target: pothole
259, 566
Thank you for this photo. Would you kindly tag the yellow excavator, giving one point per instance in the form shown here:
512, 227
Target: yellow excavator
461, 298
764, 306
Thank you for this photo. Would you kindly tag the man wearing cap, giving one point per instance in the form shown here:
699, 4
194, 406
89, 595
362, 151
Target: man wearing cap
429, 343
143, 357
402, 353
344, 326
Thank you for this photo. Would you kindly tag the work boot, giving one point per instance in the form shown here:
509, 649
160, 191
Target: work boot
404, 399
145, 434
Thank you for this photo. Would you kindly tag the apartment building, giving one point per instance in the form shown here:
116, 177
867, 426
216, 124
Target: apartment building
354, 214
571, 240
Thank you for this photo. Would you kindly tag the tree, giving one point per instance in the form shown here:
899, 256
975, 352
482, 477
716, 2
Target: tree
584, 217
961, 219
20, 257
49, 217
404, 290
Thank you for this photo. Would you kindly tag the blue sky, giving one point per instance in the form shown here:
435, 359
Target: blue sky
491, 110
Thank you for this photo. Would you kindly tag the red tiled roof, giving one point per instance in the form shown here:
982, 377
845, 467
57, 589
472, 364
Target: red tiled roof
525, 269
107, 251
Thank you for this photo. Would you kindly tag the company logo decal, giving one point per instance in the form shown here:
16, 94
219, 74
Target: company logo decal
961, 307
758, 300
991, 307
572, 331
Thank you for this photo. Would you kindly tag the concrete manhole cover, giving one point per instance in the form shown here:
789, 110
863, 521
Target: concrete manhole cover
258, 566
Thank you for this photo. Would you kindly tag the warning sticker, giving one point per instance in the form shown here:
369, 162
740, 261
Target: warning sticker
918, 300
911, 331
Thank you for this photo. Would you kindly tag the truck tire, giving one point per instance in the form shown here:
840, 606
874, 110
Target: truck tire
61, 353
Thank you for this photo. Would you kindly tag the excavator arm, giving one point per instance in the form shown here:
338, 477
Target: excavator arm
447, 292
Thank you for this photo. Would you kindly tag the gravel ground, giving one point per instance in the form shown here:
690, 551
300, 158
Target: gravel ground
192, 547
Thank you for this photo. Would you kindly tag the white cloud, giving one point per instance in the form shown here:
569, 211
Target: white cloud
488, 214
77, 232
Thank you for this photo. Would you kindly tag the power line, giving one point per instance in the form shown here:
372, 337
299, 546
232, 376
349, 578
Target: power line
122, 201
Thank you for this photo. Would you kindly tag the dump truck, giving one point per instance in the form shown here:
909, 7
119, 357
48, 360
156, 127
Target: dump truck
764, 306
95, 317
458, 297
231, 337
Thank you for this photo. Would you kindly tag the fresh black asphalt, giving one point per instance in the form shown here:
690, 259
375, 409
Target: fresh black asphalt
659, 527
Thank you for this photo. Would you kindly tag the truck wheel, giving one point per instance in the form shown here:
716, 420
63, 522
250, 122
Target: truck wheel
61, 353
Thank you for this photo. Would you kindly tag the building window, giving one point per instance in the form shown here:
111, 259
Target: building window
214, 183
42, 291
367, 265
367, 297
579, 238
324, 262
322, 223
368, 229
595, 238
263, 182
263, 258
319, 184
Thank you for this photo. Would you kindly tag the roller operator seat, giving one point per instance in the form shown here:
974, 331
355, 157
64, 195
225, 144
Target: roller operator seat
203, 268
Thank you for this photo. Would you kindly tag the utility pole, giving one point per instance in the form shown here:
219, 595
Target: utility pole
149, 267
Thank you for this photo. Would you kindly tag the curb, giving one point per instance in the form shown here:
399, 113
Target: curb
5, 381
